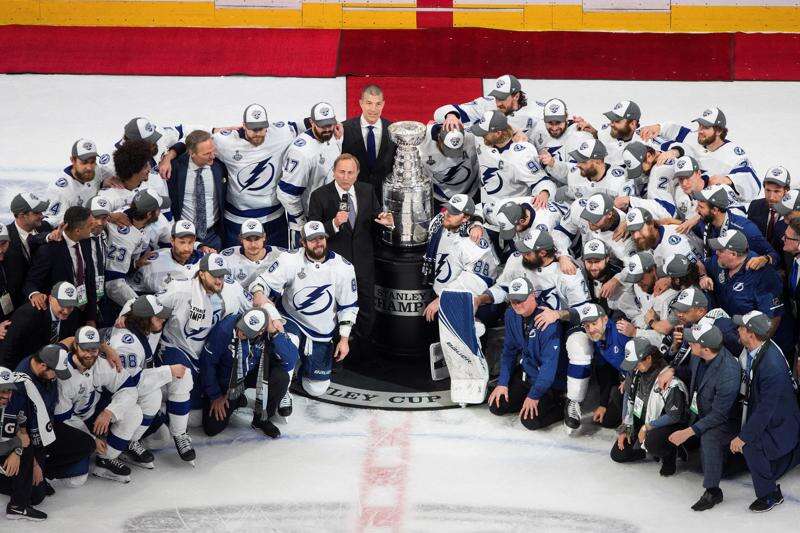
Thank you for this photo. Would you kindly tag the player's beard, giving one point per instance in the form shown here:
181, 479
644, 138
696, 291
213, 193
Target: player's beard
316, 256
711, 139
85, 176
324, 136
645, 243
622, 133
590, 173
708, 219
532, 264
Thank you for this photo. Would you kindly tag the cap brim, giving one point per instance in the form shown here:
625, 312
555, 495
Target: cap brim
593, 255
219, 272
632, 278
627, 365
63, 373
325, 122
634, 173
636, 227
8, 386
554, 118
257, 125
775, 181
610, 115
499, 94
153, 138
86, 156
684, 174
166, 203
476, 130
517, 297
689, 336
679, 306
42, 207
88, 345
251, 234
577, 156
715, 244
591, 318
508, 234
315, 236
67, 303
591, 217
184, 234
703, 122
165, 313
5, 238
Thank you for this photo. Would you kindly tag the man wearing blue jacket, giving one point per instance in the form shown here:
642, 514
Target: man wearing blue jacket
770, 434
533, 369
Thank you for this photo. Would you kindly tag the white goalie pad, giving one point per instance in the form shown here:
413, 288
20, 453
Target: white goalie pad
469, 373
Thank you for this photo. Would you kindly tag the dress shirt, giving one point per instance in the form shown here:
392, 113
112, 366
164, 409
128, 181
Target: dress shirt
212, 209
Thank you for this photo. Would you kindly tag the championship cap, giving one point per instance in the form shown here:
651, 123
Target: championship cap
716, 195
594, 249
99, 206
705, 334
251, 228
460, 204
505, 86
675, 266
637, 217
688, 298
255, 117
790, 202
26, 202
65, 294
779, 176
624, 110
452, 142
636, 266
141, 129
148, 306
591, 312
732, 239
632, 157
636, 349
183, 228
322, 114
87, 338
685, 166
55, 358
146, 200
4, 236
313, 229
755, 321
490, 121
555, 110
597, 206
215, 265
712, 116
252, 323
534, 241
507, 217
7, 379
519, 289
589, 149
84, 149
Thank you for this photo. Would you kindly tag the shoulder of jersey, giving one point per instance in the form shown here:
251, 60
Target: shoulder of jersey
279, 124
104, 159
738, 150
229, 251
299, 142
225, 132
61, 182
618, 172
483, 243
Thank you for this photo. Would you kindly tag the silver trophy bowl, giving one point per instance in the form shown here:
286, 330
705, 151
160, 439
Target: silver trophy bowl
408, 191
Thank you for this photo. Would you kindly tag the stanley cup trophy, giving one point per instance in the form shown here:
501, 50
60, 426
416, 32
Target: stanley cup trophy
400, 294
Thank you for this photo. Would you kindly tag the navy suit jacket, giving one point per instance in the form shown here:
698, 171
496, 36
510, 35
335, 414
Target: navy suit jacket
17, 265
176, 186
758, 213
353, 143
773, 417
716, 392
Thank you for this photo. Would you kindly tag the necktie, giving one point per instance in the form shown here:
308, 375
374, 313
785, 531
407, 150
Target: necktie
771, 225
101, 254
372, 153
200, 204
351, 212
793, 278
54, 327
80, 272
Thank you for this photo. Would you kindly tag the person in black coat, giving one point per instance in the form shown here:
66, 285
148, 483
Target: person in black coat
26, 232
67, 259
367, 138
184, 191
348, 221
791, 246
762, 212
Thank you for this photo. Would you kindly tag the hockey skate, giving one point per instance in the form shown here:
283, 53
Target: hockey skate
285, 407
112, 469
183, 443
138, 455
572, 416
269, 429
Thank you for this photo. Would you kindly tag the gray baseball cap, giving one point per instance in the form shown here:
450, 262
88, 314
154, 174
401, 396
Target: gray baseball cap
755, 321
215, 265
519, 289
637, 217
712, 116
534, 241
99, 206
688, 298
4, 236
252, 323
491, 121
790, 202
705, 334
507, 217
146, 200
555, 110
7, 379
779, 176
65, 294
26, 202
183, 228
633, 156
460, 204
636, 266
685, 166
636, 349
594, 249
322, 114
504, 86
55, 357
84, 149
87, 338
591, 312
675, 266
452, 142
141, 129
148, 306
589, 149
597, 206
716, 195
731, 239
252, 228
624, 110
313, 229
255, 117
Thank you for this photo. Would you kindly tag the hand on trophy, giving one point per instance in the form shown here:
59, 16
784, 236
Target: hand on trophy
384, 219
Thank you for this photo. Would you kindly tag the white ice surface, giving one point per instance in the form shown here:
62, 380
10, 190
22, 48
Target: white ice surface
466, 470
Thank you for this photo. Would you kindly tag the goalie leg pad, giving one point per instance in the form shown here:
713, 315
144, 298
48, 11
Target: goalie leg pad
469, 372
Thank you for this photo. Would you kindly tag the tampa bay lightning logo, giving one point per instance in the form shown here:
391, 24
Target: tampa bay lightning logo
127, 339
488, 176
443, 270
312, 301
61, 182
674, 239
256, 176
457, 175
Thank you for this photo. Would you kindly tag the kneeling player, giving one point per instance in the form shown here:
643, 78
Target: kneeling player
533, 368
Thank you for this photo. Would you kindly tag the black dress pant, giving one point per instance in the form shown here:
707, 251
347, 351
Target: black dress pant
551, 405
71, 446
19, 486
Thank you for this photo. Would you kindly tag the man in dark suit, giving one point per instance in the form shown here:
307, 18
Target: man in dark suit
197, 188
6, 305
31, 328
762, 211
713, 391
348, 210
770, 436
25, 233
367, 138
791, 247
68, 259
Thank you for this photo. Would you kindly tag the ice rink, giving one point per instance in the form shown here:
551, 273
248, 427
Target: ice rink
342, 469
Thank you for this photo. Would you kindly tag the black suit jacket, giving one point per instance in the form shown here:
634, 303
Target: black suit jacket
353, 143
176, 186
354, 244
28, 332
758, 213
16, 264
53, 263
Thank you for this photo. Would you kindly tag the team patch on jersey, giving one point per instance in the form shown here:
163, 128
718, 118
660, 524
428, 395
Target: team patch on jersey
237, 156
354, 286
61, 182
617, 172
738, 150
273, 267
225, 132
532, 166
127, 339
228, 251
299, 142
483, 243
346, 262
674, 239
518, 147
279, 124
241, 275
229, 279
123, 230
738, 287
104, 159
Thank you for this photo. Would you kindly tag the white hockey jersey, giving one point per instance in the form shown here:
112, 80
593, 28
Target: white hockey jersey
243, 270
573, 226
614, 182
124, 246
65, 192
153, 277
314, 296
253, 171
450, 175
513, 170
559, 147
462, 265
614, 147
545, 219
523, 119
671, 242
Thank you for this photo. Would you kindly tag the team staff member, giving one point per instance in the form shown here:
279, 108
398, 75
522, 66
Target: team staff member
791, 245
762, 210
533, 369
770, 435
28, 210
